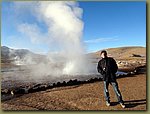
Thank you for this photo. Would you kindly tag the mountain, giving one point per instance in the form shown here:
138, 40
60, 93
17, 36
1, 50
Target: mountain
120, 53
9, 55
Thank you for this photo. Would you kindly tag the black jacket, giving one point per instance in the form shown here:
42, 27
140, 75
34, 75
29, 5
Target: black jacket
107, 67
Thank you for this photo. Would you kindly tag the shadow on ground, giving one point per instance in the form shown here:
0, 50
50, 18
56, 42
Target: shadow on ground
132, 103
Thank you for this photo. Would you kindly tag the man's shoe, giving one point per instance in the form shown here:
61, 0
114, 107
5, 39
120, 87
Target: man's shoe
122, 105
107, 103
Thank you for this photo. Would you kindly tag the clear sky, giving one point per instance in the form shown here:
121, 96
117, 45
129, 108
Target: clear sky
106, 25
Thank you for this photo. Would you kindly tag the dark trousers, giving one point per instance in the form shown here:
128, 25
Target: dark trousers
116, 90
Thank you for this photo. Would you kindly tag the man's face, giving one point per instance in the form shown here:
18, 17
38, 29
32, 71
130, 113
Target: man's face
103, 55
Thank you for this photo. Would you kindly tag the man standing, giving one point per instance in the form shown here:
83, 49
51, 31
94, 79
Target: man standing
107, 67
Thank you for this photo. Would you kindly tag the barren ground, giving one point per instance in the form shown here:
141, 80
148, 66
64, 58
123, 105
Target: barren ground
84, 97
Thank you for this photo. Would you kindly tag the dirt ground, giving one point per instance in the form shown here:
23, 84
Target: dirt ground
84, 97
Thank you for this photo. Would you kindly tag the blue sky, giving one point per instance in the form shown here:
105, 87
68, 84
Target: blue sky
106, 25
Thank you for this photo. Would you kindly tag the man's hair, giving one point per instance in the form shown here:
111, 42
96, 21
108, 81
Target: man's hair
104, 51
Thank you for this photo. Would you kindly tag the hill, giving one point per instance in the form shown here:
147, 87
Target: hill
123, 52
125, 56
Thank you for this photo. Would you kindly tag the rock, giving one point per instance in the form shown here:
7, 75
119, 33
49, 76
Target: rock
5, 91
54, 85
49, 86
58, 84
21, 91
64, 83
132, 73
135, 55
73, 82
12, 93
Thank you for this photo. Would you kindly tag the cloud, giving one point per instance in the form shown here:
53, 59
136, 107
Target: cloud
99, 40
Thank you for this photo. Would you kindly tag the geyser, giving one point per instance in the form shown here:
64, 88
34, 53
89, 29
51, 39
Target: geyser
63, 35
65, 28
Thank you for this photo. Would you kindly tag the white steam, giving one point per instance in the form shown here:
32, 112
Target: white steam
63, 35
65, 28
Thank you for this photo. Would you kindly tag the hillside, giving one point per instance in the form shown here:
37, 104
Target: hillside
125, 56
17, 56
123, 52
117, 53
8, 53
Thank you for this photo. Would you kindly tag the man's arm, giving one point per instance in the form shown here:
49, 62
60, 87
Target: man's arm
99, 68
115, 66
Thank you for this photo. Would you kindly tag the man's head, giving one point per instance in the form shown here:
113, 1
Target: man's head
103, 54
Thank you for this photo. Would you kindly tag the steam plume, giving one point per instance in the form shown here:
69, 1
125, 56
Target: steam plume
63, 36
